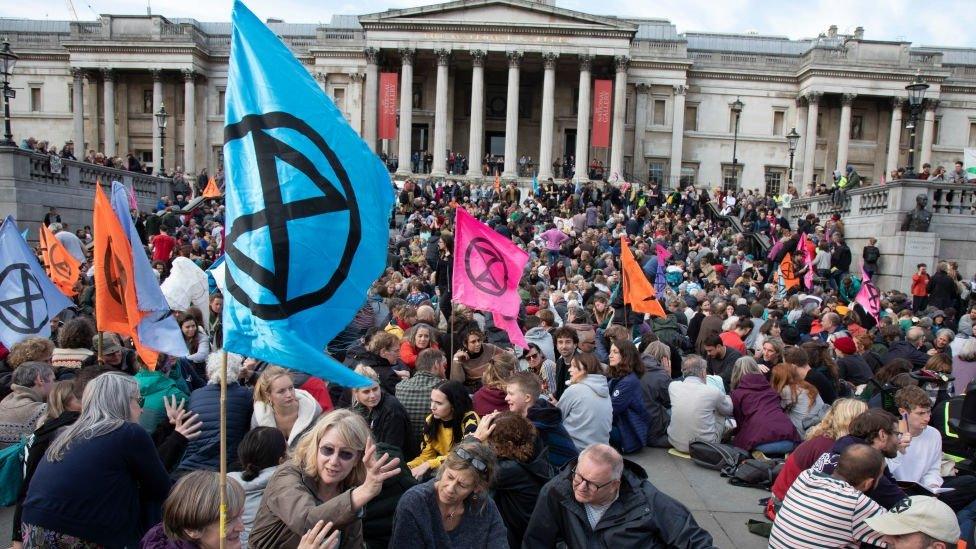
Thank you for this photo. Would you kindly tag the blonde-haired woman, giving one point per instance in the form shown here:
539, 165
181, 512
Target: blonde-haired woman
333, 474
820, 439
278, 404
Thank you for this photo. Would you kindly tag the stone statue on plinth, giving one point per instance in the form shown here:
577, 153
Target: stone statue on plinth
918, 220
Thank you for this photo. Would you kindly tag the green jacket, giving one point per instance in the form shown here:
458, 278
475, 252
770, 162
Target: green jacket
154, 386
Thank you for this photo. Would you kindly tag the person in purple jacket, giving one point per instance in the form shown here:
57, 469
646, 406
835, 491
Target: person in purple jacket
553, 239
761, 423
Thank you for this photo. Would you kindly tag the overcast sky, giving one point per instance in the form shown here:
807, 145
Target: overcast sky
935, 22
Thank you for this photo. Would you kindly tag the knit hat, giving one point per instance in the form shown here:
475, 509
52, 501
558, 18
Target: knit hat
845, 345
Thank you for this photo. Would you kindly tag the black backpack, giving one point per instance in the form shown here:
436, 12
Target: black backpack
716, 456
755, 473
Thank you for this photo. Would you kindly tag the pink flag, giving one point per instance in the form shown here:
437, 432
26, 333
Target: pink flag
510, 325
487, 267
869, 296
808, 259
662, 253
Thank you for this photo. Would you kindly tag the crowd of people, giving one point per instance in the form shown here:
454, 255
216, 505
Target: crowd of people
466, 440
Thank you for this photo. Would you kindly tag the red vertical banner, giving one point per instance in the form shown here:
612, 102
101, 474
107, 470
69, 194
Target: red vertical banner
602, 104
388, 105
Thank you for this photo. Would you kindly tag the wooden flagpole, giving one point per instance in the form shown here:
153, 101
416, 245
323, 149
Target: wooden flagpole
223, 450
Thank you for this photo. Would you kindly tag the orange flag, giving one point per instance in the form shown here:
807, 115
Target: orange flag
638, 291
790, 280
60, 265
211, 191
116, 303
498, 185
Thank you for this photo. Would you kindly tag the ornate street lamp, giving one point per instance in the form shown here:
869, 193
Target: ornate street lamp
162, 118
7, 61
792, 139
737, 111
916, 97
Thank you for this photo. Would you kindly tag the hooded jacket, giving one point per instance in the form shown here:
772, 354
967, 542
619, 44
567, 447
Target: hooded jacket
641, 516
587, 411
154, 386
516, 488
886, 491
21, 412
548, 422
382, 367
253, 492
757, 412
541, 337
657, 401
389, 423
308, 412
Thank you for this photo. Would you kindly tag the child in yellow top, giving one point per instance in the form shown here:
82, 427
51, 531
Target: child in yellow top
450, 419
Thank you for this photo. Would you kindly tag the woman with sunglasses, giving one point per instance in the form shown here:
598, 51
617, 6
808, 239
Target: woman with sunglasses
454, 509
333, 474
535, 361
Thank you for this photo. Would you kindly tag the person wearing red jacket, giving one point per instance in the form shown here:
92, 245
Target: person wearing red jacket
920, 292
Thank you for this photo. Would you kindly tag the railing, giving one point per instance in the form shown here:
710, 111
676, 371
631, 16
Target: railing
925, 59
759, 242
34, 39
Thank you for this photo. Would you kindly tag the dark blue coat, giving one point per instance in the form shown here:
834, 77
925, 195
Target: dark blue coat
204, 451
629, 414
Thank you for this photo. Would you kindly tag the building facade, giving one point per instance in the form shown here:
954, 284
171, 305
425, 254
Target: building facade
515, 78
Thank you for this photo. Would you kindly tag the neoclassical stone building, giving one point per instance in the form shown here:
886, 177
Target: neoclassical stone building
515, 78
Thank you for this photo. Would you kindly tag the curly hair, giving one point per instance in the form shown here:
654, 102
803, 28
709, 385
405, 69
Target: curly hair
513, 437
32, 349
77, 333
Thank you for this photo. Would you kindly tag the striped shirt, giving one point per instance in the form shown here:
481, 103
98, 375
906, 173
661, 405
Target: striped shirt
823, 512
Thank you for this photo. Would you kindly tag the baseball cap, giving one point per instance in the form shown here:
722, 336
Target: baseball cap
111, 343
923, 514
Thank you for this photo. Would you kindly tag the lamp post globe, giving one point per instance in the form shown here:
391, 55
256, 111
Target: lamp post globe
792, 139
736, 107
162, 119
916, 97
8, 59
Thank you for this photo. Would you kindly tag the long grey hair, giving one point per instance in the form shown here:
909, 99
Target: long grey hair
104, 408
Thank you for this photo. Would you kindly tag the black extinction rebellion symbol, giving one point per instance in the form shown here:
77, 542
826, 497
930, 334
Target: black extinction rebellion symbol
19, 312
277, 214
485, 267
115, 277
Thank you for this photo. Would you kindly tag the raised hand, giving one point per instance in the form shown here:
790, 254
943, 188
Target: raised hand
173, 409
188, 424
319, 537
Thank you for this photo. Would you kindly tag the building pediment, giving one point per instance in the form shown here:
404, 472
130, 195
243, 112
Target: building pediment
492, 14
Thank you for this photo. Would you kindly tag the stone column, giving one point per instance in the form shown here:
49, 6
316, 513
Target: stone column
369, 103
93, 130
406, 112
548, 115
894, 135
439, 169
157, 143
355, 102
928, 134
109, 90
810, 147
476, 133
801, 128
189, 123
677, 137
640, 125
583, 121
511, 116
844, 137
619, 112
78, 116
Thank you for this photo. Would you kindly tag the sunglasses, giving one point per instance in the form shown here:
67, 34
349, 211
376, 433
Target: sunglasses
532, 356
344, 455
478, 465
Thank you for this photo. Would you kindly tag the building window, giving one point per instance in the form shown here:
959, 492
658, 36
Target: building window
778, 119
659, 115
418, 96
575, 101
339, 98
689, 173
655, 170
774, 181
731, 176
35, 99
691, 119
71, 98
972, 134
936, 130
145, 156
819, 123
857, 127
147, 101
221, 98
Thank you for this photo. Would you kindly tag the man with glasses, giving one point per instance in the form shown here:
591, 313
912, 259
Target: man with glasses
880, 430
606, 501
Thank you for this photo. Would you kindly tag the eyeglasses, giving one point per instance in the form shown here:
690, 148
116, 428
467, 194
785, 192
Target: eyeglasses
478, 465
344, 455
532, 356
588, 484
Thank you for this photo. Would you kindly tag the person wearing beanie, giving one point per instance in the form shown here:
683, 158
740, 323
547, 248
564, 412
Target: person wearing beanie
851, 366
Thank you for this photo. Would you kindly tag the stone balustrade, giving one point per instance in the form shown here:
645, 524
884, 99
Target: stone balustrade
28, 188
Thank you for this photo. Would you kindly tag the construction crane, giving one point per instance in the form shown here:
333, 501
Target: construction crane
71, 6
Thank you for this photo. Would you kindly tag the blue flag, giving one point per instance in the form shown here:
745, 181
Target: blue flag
660, 279
535, 185
215, 275
28, 298
308, 208
157, 330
